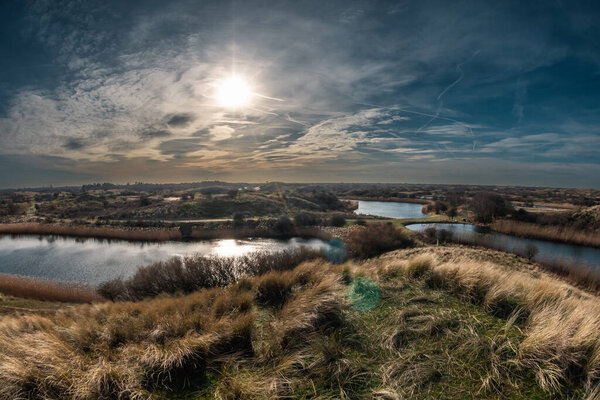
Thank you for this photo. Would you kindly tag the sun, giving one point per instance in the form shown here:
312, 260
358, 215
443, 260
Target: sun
233, 92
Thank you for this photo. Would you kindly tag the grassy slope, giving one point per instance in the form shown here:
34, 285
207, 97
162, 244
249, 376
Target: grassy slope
441, 330
416, 342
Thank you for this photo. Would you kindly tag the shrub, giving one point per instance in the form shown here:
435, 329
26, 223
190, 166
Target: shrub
144, 201
306, 219
530, 251
440, 206
238, 219
375, 239
452, 213
196, 272
361, 222
284, 227
337, 220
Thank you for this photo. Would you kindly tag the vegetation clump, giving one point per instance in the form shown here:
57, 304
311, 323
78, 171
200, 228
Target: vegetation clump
191, 273
376, 238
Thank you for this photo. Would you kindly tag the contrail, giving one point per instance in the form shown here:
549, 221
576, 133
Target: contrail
267, 97
289, 118
441, 95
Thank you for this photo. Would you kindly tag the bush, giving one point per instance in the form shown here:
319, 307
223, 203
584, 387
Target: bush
238, 220
530, 251
306, 219
440, 206
375, 239
284, 227
196, 272
452, 212
338, 220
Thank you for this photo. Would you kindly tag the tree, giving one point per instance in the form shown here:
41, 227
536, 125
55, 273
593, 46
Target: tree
488, 206
306, 219
452, 212
440, 206
144, 201
531, 250
232, 193
12, 208
284, 227
238, 219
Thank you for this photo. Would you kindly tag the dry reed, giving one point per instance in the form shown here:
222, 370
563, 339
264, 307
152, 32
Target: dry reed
45, 290
552, 233
104, 232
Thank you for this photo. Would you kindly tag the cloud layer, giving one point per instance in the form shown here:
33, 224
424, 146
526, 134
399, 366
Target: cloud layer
342, 91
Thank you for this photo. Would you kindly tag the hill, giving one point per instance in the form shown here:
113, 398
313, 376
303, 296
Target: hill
447, 322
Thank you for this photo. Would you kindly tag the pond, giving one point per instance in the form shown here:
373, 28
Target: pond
548, 251
389, 209
94, 261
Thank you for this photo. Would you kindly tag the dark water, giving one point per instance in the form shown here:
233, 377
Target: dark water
390, 209
587, 256
94, 261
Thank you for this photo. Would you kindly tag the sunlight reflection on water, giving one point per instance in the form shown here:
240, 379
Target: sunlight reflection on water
94, 261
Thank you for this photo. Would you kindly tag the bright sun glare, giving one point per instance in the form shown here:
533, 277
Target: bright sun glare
233, 92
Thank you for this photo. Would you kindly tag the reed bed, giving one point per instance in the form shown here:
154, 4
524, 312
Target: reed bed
552, 233
104, 232
45, 290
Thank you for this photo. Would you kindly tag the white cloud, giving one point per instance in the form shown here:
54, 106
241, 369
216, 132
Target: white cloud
221, 132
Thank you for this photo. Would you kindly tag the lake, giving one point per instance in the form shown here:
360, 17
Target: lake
389, 209
94, 261
588, 256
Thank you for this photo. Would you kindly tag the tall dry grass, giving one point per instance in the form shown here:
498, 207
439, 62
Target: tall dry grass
45, 290
561, 323
105, 232
128, 350
552, 233
571, 270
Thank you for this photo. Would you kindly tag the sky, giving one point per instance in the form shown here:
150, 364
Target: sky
473, 92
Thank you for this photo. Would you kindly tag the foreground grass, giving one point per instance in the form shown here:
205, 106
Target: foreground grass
422, 323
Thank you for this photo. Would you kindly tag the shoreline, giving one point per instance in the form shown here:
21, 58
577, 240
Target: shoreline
388, 199
550, 237
553, 234
153, 234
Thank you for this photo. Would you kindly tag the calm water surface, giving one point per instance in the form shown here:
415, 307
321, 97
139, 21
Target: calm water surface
389, 209
94, 260
588, 256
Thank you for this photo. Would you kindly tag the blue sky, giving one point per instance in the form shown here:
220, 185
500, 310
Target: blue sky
408, 91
